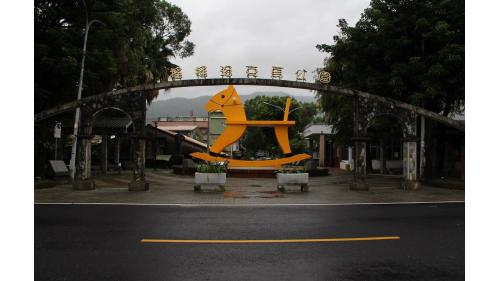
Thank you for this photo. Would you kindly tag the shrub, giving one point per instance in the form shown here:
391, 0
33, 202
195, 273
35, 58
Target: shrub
212, 167
291, 170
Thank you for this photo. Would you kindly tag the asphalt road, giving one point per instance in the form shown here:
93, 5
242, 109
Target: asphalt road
103, 242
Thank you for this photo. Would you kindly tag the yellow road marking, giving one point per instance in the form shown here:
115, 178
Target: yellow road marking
271, 241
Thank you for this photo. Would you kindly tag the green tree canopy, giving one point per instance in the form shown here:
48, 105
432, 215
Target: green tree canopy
258, 138
413, 51
134, 46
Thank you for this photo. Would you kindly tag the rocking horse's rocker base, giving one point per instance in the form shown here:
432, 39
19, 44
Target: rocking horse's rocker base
255, 163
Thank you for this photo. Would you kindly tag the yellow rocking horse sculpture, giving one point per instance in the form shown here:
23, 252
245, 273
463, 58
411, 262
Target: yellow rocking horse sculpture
228, 101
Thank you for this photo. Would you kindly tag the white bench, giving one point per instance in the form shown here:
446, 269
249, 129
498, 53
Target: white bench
59, 168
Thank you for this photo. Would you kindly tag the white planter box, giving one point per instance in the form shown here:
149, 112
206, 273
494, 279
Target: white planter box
301, 179
345, 165
200, 179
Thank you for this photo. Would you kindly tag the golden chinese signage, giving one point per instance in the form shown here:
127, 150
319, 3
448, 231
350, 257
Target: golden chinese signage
226, 71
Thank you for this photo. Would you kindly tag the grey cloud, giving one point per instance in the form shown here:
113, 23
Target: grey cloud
261, 33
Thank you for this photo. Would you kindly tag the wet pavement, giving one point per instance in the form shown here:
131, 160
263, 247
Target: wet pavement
105, 242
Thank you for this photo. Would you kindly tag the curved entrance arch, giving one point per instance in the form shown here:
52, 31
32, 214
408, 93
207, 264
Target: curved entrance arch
133, 105
254, 82
133, 100
386, 134
113, 125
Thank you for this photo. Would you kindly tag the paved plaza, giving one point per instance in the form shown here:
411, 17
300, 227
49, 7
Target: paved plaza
168, 188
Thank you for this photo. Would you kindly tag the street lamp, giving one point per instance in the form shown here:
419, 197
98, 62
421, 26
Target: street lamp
79, 96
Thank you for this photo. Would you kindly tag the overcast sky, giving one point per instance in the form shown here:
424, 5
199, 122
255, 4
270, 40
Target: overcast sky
263, 33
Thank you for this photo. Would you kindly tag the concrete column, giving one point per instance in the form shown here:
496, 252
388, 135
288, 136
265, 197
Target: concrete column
359, 182
139, 182
361, 159
410, 178
104, 154
322, 155
83, 165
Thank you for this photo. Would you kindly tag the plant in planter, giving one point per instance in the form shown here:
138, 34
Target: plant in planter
210, 173
293, 175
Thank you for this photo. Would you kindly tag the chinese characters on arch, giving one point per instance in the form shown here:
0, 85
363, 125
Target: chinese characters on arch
226, 71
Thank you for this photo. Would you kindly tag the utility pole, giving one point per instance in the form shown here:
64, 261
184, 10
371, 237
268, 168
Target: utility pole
79, 96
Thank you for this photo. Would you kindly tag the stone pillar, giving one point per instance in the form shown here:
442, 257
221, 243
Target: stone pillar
83, 165
410, 176
139, 182
117, 154
359, 182
322, 153
104, 154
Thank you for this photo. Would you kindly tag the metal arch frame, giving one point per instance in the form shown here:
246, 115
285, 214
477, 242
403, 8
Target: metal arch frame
254, 82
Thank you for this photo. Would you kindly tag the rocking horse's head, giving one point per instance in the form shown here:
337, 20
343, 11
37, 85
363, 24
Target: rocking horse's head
227, 97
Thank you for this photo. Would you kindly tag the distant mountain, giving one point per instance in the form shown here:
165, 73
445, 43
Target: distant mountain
183, 106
